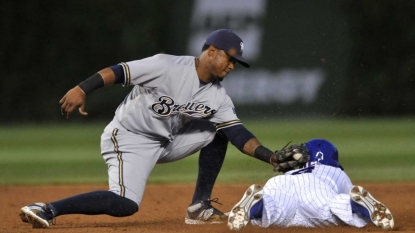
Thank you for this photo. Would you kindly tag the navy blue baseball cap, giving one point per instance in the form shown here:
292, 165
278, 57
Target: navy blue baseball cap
229, 42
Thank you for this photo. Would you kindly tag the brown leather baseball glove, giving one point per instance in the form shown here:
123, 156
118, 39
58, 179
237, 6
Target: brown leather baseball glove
289, 158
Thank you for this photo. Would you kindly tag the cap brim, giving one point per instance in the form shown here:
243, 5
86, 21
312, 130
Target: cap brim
241, 61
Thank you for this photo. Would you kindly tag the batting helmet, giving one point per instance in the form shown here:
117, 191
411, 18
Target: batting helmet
322, 152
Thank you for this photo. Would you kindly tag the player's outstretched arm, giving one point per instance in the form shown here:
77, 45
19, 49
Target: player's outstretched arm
255, 149
246, 142
286, 159
283, 160
76, 97
250, 146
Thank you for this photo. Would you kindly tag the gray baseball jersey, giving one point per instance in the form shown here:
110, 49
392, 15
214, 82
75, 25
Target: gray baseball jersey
311, 197
167, 116
167, 95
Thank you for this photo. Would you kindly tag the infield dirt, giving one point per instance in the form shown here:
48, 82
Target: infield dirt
164, 206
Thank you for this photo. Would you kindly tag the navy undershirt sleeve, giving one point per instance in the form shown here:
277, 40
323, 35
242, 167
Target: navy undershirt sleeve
238, 135
119, 73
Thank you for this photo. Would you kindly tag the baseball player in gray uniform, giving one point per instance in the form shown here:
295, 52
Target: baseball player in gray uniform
320, 194
176, 108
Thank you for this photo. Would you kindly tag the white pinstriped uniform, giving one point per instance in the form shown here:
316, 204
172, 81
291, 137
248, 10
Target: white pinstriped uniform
167, 116
309, 197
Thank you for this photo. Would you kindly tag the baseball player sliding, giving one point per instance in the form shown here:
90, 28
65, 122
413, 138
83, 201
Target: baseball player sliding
176, 108
320, 194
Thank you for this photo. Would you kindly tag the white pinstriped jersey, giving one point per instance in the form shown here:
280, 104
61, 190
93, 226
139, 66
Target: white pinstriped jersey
168, 94
309, 197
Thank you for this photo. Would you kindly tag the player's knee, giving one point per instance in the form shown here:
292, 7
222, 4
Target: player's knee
128, 207
123, 207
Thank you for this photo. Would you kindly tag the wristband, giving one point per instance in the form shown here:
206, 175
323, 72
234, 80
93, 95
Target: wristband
92, 83
263, 154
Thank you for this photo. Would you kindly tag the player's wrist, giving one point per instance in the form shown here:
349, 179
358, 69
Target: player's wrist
91, 83
264, 154
80, 89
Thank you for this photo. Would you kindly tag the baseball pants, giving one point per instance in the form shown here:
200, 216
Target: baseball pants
131, 157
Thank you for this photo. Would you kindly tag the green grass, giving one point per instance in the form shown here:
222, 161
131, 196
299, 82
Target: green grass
375, 150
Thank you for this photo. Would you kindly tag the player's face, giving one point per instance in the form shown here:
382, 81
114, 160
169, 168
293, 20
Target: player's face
222, 64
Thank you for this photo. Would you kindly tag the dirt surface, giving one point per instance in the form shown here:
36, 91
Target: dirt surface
164, 206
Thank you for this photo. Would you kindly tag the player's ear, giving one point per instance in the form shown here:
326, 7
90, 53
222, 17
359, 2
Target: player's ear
211, 50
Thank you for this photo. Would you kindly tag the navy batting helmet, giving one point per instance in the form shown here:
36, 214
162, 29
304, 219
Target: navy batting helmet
322, 152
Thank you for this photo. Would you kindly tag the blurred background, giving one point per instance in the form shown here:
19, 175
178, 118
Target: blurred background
343, 70
309, 58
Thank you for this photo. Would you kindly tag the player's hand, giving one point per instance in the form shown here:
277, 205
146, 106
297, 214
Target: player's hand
74, 98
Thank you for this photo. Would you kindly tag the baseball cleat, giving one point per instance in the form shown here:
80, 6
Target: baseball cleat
366, 205
239, 215
204, 213
37, 214
23, 217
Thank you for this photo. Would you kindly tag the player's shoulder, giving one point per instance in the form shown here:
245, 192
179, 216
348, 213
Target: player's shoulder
300, 171
317, 168
174, 59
